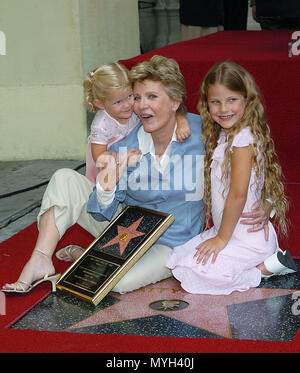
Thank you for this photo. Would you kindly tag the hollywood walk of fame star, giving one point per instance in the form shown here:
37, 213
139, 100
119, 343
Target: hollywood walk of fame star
169, 304
208, 312
125, 234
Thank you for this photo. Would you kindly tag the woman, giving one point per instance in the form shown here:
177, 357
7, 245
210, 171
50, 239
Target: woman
162, 175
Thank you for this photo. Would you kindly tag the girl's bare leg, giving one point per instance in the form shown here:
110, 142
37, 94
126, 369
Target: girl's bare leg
280, 263
40, 265
263, 269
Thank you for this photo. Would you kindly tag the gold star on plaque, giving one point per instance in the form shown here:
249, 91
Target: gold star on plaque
125, 234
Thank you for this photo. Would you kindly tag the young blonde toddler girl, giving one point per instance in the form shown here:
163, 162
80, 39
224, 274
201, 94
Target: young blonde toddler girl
108, 94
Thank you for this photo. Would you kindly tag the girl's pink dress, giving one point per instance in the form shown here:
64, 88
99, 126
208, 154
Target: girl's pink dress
105, 130
235, 266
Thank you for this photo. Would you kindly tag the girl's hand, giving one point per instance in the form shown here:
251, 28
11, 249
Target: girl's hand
209, 247
183, 133
183, 129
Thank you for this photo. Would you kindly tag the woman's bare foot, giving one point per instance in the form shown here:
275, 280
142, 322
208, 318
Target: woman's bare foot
38, 266
69, 253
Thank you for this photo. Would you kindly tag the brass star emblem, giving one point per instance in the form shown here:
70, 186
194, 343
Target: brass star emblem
169, 304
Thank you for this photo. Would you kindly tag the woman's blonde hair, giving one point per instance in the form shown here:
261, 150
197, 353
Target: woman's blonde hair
267, 168
165, 70
101, 81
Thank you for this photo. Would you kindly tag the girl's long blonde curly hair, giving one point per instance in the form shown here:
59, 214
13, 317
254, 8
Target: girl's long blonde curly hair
267, 168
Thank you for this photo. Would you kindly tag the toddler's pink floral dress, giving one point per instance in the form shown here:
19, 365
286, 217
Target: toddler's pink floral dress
105, 130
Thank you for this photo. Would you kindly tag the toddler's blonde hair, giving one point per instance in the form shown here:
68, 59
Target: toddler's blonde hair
101, 81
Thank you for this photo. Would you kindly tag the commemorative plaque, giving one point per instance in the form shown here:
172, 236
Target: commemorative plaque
113, 253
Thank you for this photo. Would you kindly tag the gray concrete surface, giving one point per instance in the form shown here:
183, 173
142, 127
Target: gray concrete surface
19, 210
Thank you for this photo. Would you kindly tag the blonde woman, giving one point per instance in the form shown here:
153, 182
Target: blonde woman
240, 168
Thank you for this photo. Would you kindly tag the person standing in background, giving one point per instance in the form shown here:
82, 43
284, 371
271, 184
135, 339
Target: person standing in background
200, 18
235, 14
279, 15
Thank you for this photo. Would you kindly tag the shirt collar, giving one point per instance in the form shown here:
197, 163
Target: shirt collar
146, 143
146, 146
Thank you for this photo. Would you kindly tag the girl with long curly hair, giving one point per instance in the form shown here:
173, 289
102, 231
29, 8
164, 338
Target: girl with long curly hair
240, 168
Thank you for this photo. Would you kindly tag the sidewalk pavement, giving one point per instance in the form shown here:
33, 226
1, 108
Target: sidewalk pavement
21, 191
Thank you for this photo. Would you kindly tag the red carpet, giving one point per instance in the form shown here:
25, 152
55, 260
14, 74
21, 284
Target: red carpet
12, 256
15, 252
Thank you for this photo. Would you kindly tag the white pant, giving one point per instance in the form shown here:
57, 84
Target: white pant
68, 192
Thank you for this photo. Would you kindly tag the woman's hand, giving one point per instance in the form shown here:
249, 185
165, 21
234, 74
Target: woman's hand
112, 165
209, 247
258, 218
108, 175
